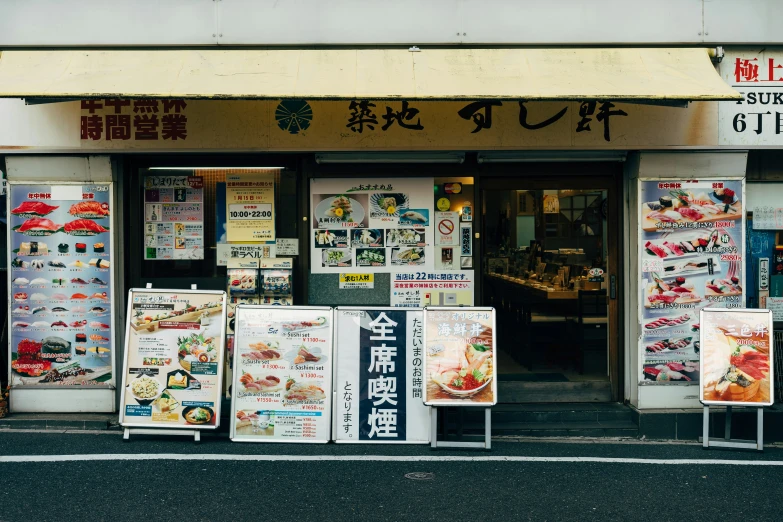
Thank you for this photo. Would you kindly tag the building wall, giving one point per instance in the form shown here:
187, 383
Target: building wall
380, 22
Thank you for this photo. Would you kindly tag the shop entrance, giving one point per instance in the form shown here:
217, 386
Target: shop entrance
550, 268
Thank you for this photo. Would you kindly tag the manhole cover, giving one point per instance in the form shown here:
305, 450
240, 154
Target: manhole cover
420, 475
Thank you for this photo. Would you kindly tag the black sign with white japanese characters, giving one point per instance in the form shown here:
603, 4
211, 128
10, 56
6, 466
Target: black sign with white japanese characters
379, 376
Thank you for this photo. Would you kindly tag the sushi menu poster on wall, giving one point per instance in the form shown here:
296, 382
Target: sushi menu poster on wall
174, 360
366, 226
379, 376
692, 237
61, 284
282, 384
173, 217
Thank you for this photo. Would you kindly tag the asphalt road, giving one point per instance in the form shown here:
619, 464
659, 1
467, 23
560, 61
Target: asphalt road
336, 490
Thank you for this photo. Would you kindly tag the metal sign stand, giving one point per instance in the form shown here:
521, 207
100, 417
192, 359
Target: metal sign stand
487, 444
727, 441
196, 434
151, 431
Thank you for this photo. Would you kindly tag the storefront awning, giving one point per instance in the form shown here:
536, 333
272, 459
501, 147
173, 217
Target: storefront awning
642, 75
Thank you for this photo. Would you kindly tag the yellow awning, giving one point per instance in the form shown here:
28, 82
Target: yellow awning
649, 74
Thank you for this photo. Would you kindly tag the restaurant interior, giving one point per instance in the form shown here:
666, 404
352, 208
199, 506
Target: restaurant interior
545, 258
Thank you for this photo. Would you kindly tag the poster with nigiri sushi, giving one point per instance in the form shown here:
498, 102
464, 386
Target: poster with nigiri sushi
172, 372
61, 285
397, 210
737, 357
691, 243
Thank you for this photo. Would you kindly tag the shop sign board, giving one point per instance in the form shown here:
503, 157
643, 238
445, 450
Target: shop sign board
357, 281
446, 233
691, 248
287, 246
362, 225
250, 207
282, 388
767, 218
61, 285
174, 359
435, 287
466, 239
173, 218
350, 125
758, 119
737, 357
460, 365
775, 305
379, 376
227, 252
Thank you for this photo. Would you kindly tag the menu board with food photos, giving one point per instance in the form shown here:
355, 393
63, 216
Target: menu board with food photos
173, 218
691, 248
282, 385
174, 346
60, 271
359, 225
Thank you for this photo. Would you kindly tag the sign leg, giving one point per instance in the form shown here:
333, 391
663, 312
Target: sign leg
488, 428
705, 428
760, 428
727, 424
434, 426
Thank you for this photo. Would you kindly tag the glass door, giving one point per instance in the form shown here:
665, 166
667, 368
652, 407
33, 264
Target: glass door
548, 262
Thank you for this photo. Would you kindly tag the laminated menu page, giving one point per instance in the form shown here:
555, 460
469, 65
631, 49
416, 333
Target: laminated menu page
174, 346
282, 384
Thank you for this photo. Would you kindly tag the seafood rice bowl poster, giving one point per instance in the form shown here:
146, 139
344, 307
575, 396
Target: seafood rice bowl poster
737, 357
691, 245
460, 363
351, 214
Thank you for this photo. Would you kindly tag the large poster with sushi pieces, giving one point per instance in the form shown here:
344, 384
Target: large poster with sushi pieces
460, 356
737, 357
692, 242
379, 376
61, 285
282, 386
174, 359
361, 225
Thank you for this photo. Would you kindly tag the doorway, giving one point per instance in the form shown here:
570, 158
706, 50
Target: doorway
550, 267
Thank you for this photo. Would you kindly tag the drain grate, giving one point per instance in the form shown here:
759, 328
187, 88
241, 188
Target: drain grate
420, 475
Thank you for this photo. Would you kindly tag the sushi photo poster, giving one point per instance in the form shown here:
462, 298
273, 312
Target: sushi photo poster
282, 385
360, 225
691, 247
173, 370
737, 357
379, 376
60, 291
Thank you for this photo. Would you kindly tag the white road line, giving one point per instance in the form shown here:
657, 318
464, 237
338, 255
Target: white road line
375, 458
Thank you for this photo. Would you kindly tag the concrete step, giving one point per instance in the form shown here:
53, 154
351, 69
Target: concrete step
549, 392
546, 420
60, 421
